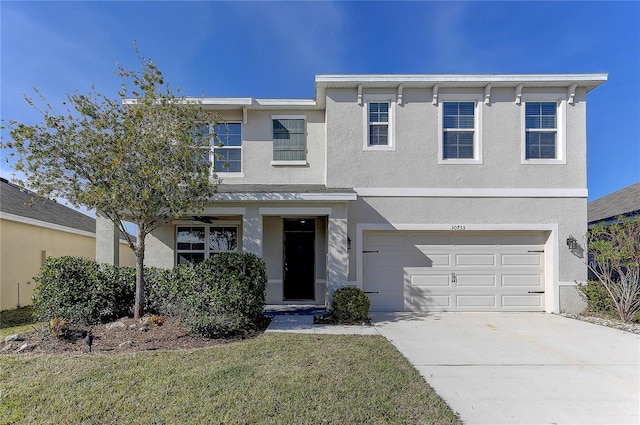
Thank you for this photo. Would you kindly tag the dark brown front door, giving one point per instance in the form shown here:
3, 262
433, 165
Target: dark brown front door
299, 259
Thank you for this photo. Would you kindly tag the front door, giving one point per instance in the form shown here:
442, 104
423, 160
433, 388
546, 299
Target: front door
299, 259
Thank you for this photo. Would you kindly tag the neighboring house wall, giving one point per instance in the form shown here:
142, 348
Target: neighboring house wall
24, 248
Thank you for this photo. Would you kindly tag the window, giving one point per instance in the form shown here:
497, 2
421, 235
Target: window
543, 128
458, 125
289, 140
460, 130
378, 122
195, 243
227, 148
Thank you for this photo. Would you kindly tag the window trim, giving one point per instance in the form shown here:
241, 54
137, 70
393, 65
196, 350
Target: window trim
477, 128
391, 127
561, 127
241, 148
207, 228
296, 162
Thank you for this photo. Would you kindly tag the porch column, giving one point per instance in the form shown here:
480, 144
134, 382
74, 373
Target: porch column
107, 240
338, 256
252, 231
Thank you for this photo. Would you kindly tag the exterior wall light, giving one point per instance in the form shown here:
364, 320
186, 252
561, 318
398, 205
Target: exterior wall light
572, 243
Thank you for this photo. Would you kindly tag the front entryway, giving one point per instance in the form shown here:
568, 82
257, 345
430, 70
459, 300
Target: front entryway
299, 259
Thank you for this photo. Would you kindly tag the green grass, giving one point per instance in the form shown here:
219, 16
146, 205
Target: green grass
274, 379
16, 321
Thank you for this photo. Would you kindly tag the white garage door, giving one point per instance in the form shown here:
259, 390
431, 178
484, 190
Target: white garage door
454, 271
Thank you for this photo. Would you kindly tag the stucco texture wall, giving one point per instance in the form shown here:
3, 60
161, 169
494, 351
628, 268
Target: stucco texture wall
23, 249
414, 160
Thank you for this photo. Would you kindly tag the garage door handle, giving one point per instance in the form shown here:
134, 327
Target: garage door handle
536, 251
364, 252
535, 292
371, 292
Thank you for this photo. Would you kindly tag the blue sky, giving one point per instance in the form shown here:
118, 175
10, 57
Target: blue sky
275, 49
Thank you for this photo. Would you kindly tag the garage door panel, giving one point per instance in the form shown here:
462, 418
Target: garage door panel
495, 271
476, 301
530, 300
517, 260
533, 280
476, 280
433, 280
475, 260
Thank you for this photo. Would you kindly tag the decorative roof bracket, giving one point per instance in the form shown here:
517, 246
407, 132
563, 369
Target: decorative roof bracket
244, 115
519, 94
571, 93
400, 94
360, 94
435, 95
487, 94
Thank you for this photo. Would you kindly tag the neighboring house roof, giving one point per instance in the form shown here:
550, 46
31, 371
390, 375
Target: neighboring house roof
17, 201
622, 202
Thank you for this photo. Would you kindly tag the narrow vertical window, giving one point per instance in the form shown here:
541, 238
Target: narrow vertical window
227, 148
458, 126
541, 130
378, 123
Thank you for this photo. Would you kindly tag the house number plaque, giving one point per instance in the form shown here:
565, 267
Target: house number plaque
458, 227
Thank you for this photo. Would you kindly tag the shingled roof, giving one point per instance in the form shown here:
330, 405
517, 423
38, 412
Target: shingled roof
622, 202
21, 202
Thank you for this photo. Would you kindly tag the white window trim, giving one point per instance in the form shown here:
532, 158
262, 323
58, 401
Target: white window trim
296, 163
561, 127
207, 227
391, 98
477, 129
230, 174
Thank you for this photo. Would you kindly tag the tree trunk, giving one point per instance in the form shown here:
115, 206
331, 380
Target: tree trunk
138, 309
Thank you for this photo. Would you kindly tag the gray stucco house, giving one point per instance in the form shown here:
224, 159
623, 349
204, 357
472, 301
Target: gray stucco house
430, 192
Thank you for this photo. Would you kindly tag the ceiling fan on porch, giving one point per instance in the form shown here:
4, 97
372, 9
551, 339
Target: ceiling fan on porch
206, 219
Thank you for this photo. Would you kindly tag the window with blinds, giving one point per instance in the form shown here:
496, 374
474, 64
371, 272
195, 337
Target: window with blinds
378, 123
228, 148
458, 126
289, 140
541, 130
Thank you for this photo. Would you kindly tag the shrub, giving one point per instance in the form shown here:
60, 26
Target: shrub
80, 290
166, 290
228, 297
596, 296
349, 304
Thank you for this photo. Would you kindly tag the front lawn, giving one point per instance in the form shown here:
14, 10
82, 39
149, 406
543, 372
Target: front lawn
275, 378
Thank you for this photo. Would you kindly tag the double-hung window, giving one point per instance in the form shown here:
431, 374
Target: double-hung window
196, 243
378, 122
543, 137
460, 132
289, 140
227, 148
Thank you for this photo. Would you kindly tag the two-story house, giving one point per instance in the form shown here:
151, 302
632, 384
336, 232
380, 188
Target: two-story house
429, 192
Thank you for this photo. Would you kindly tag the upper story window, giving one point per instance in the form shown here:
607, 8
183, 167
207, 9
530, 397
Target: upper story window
543, 139
196, 243
379, 122
227, 148
289, 140
460, 130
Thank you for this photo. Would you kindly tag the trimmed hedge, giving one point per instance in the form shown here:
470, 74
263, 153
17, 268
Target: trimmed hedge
224, 295
80, 290
349, 304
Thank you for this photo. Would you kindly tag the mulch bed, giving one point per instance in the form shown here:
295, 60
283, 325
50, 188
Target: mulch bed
125, 335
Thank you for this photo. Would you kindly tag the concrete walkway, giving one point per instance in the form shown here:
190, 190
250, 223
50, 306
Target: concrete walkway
511, 368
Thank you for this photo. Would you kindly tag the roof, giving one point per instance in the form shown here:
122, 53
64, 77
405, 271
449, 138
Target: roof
21, 202
282, 192
622, 202
323, 82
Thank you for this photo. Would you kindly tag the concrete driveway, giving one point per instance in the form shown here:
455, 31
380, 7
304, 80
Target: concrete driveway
522, 368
